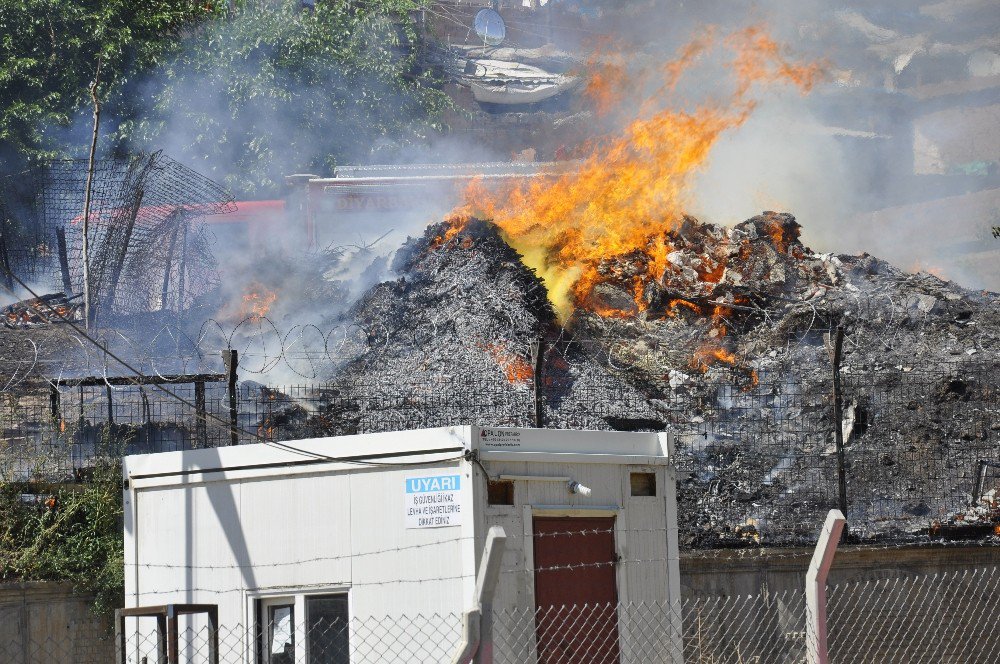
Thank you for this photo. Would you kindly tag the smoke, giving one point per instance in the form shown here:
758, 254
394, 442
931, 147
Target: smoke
859, 160
895, 153
784, 159
862, 161
876, 159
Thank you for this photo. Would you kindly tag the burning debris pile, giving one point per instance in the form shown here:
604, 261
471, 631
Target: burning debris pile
752, 303
448, 343
728, 348
589, 300
42, 310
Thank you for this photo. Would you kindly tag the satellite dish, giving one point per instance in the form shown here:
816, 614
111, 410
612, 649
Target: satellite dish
490, 27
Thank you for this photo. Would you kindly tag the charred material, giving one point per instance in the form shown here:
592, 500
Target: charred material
726, 348
145, 251
54, 308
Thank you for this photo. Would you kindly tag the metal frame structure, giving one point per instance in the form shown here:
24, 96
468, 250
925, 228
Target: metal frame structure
166, 629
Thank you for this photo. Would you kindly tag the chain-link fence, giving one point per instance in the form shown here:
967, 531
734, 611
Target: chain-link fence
759, 461
900, 618
282, 640
949, 617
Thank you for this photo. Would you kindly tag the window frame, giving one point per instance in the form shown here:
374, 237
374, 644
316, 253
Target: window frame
257, 602
265, 625
305, 614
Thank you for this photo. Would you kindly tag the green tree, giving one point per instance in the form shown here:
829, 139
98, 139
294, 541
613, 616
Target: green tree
73, 535
273, 89
49, 51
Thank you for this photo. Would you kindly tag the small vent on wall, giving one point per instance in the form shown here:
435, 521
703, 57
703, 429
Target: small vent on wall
500, 492
643, 484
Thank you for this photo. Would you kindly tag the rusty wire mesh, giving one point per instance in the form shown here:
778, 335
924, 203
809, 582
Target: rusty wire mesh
145, 252
758, 458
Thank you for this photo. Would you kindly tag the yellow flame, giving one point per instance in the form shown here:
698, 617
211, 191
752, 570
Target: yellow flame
634, 186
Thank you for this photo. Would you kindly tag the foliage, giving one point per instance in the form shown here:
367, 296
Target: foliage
274, 90
246, 94
74, 534
49, 51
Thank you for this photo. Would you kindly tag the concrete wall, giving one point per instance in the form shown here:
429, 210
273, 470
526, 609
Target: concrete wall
884, 605
41, 622
728, 573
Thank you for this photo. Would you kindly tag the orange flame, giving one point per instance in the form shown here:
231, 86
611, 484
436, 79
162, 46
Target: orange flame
634, 185
257, 302
706, 357
515, 367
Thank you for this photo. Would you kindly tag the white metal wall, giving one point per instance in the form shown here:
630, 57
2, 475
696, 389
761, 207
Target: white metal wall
230, 543
645, 531
229, 535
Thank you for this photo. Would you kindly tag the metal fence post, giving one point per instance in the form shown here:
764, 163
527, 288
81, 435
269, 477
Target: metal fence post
819, 568
5, 270
111, 404
838, 420
231, 360
200, 423
477, 640
119, 637
537, 363
55, 405
64, 261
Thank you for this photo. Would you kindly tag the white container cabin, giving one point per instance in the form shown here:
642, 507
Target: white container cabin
374, 527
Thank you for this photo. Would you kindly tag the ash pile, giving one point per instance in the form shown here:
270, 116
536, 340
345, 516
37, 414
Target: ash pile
730, 348
745, 319
449, 343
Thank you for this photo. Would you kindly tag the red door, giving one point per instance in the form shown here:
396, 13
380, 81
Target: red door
576, 617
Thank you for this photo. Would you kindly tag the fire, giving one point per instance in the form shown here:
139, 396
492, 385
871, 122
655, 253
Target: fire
515, 367
636, 183
606, 74
257, 302
456, 222
709, 355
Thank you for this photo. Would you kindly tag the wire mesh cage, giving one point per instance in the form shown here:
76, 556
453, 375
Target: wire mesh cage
146, 253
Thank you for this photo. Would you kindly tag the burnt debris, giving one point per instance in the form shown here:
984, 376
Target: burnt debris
728, 348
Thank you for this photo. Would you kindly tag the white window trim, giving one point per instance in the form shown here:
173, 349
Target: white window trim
280, 595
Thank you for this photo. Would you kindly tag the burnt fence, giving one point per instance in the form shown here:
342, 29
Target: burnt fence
759, 455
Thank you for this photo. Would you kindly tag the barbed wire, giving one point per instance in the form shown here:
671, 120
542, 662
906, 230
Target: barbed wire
804, 552
307, 352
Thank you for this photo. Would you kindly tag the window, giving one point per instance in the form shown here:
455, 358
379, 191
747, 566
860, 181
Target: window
322, 634
643, 484
280, 633
328, 629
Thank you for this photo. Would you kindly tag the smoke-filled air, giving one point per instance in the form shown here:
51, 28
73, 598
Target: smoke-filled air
632, 185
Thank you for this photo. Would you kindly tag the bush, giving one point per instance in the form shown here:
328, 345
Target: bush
72, 533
